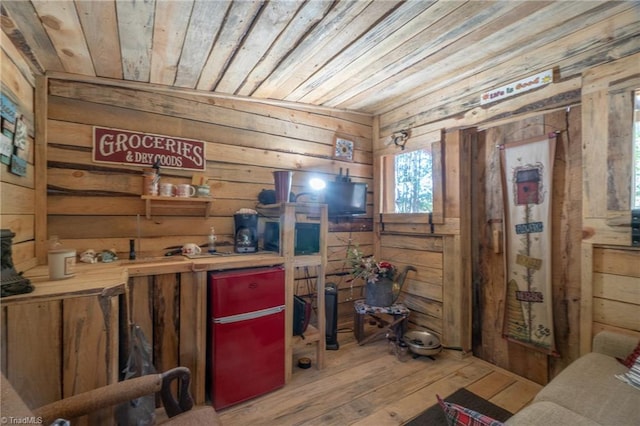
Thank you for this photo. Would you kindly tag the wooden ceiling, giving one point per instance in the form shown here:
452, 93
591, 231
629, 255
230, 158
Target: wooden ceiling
369, 56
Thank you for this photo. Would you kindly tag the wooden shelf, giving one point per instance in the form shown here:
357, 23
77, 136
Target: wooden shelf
274, 210
307, 260
189, 203
289, 214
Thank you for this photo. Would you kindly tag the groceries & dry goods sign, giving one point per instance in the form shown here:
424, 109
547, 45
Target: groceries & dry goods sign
144, 149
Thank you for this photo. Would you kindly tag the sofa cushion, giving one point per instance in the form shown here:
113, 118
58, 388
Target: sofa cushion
548, 414
588, 386
614, 344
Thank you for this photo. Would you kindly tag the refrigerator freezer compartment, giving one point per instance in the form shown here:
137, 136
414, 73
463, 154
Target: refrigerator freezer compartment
246, 290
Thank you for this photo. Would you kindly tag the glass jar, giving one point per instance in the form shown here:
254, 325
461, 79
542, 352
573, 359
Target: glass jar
402, 352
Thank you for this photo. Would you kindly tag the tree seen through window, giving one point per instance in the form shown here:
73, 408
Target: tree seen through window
414, 182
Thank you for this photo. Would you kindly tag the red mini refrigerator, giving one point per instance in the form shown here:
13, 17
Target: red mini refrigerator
246, 334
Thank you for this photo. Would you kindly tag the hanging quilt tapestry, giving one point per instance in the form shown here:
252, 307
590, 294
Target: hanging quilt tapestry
527, 176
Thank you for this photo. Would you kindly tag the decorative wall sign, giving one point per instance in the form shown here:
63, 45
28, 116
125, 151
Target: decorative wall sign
527, 173
20, 139
7, 109
21, 148
14, 141
18, 166
144, 149
8, 118
515, 88
343, 149
6, 146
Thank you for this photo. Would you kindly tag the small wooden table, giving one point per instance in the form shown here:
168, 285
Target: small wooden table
398, 311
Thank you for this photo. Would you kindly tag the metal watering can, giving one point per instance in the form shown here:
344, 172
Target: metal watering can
397, 285
385, 292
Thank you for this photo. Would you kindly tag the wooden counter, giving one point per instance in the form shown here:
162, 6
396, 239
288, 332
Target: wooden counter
71, 335
205, 263
111, 278
96, 279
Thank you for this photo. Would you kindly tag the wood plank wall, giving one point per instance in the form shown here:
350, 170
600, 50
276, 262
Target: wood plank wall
17, 193
433, 245
488, 277
92, 205
514, 118
610, 267
459, 168
29, 330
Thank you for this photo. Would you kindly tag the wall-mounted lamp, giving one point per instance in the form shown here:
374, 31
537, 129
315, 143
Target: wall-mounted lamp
400, 138
316, 185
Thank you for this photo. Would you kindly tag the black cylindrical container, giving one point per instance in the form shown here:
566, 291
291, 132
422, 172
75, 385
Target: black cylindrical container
132, 249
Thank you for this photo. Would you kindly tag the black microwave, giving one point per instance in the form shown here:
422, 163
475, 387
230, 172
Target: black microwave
307, 237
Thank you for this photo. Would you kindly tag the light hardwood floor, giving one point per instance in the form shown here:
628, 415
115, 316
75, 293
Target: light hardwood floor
366, 385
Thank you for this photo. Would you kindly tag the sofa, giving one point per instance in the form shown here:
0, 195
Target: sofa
587, 392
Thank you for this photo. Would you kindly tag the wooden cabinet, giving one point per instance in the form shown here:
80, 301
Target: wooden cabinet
73, 335
56, 348
289, 214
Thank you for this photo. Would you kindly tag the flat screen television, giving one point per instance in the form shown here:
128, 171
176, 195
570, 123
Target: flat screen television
345, 198
307, 237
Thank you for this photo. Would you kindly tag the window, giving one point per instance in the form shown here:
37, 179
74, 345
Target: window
635, 202
408, 187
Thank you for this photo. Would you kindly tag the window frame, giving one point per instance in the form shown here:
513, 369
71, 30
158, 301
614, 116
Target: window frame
387, 192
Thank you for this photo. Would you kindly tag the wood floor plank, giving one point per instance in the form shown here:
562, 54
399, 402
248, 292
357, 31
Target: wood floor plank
405, 409
516, 396
365, 385
491, 384
370, 402
311, 399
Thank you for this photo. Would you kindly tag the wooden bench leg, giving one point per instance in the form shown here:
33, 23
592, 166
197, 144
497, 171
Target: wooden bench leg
397, 326
358, 326
381, 332
373, 336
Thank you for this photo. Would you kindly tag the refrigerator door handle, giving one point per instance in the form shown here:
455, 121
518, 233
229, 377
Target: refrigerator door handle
249, 315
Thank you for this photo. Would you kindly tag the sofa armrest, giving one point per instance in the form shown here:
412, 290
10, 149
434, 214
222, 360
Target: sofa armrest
614, 344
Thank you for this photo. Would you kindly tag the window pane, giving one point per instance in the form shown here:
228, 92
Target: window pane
414, 182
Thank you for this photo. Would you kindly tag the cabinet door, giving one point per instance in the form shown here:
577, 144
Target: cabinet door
193, 330
171, 310
56, 349
90, 349
33, 338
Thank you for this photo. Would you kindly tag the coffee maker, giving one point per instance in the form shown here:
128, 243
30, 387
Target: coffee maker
246, 234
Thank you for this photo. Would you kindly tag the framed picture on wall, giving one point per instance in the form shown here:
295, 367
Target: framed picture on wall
343, 149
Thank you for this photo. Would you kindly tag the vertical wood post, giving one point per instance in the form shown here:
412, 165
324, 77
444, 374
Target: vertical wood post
40, 168
457, 248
